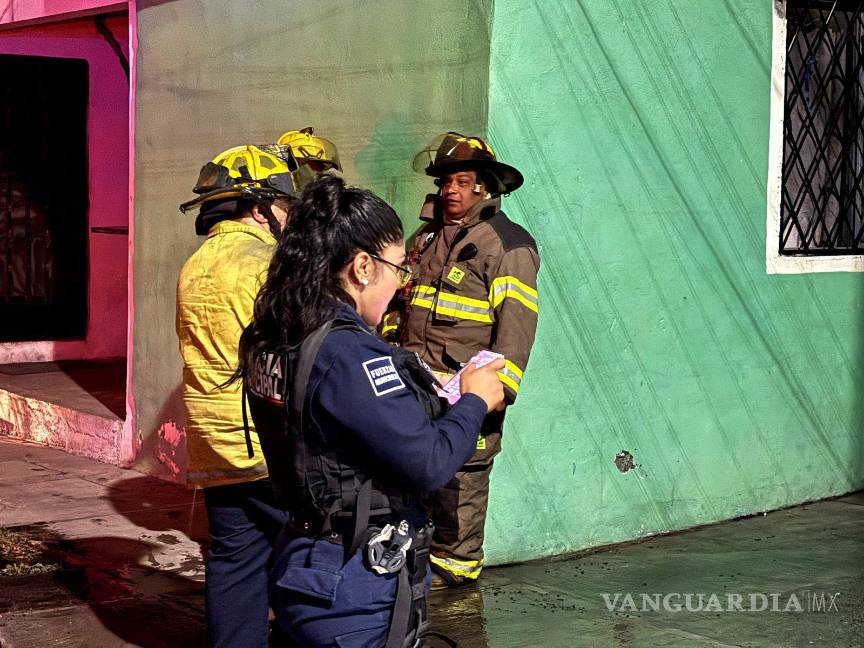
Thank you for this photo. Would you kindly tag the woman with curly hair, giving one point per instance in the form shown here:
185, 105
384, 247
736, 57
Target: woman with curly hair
351, 428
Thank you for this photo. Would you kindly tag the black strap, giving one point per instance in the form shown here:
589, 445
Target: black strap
409, 625
246, 432
447, 640
401, 617
362, 508
308, 354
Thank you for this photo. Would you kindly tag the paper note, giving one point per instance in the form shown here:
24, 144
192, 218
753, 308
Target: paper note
450, 391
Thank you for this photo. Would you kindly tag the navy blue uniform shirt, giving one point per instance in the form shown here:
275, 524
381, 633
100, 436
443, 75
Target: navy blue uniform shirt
358, 403
356, 397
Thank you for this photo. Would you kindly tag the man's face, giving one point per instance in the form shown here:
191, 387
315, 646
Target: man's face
457, 194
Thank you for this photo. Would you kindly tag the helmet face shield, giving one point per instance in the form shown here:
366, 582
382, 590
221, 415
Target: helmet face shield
303, 176
282, 183
426, 156
212, 176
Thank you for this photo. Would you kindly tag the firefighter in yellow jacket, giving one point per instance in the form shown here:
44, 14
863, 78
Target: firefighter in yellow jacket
244, 198
474, 287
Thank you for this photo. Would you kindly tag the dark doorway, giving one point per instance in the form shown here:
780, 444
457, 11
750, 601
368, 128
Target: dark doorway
43, 198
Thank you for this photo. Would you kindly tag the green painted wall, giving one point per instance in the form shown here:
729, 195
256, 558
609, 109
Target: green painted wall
642, 130
378, 78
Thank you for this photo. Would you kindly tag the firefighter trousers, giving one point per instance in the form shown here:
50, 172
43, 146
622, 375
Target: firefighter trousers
458, 511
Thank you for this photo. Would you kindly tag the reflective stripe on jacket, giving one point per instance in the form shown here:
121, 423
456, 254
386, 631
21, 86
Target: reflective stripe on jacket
475, 287
215, 297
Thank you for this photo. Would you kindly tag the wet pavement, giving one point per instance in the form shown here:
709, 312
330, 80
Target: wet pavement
127, 551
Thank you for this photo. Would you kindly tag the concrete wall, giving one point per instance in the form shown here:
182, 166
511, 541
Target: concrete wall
378, 78
107, 142
642, 130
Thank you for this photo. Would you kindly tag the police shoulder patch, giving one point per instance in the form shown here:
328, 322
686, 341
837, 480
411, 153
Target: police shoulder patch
383, 375
267, 377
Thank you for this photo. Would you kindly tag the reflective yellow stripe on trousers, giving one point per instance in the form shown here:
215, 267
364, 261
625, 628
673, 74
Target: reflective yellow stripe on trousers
463, 568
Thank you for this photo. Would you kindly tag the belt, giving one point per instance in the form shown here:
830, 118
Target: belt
339, 527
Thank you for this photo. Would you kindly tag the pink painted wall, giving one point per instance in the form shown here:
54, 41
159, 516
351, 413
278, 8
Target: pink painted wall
22, 11
108, 171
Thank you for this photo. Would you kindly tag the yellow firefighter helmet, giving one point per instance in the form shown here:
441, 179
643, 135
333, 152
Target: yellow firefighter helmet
311, 149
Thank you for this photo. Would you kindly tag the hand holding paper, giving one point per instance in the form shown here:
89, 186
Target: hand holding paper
452, 391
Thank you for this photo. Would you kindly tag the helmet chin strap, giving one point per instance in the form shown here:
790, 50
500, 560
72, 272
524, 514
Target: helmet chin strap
272, 223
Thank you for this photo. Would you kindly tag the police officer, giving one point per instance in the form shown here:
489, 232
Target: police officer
474, 288
244, 196
350, 436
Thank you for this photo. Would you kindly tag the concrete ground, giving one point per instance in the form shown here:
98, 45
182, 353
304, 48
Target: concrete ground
129, 573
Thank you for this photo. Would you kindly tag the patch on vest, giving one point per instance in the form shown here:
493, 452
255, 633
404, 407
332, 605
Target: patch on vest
383, 375
455, 275
267, 378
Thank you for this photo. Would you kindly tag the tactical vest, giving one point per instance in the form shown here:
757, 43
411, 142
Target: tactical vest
313, 478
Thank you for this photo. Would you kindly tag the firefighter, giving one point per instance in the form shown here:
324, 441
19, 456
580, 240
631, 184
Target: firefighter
474, 287
351, 432
244, 197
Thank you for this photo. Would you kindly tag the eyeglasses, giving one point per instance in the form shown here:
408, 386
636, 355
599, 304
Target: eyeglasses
403, 274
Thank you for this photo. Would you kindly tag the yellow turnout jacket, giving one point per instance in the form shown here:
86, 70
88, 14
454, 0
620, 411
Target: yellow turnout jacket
215, 297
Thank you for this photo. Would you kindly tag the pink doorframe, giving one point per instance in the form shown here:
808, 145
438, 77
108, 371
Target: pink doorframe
59, 28
19, 13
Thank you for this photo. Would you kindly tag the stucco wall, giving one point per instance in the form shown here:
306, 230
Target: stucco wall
379, 79
642, 130
107, 155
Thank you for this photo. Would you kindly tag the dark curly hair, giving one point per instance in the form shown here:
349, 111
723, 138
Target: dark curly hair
328, 226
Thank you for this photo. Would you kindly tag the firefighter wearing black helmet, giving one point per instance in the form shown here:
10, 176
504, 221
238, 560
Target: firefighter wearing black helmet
474, 287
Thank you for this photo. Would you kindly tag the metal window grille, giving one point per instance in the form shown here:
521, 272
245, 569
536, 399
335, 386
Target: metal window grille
822, 207
26, 257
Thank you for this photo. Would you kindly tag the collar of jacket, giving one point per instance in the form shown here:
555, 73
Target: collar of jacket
228, 226
345, 311
483, 210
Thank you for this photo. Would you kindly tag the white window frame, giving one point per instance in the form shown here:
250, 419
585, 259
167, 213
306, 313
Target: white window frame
775, 263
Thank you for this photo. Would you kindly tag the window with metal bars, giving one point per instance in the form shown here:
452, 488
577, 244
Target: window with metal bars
822, 203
